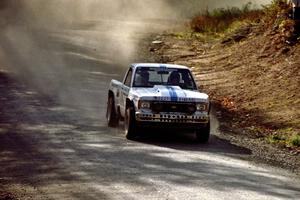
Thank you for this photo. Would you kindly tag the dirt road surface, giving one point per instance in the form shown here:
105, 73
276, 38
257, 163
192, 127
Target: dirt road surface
56, 145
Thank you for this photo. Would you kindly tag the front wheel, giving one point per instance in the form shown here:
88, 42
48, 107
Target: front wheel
202, 135
130, 129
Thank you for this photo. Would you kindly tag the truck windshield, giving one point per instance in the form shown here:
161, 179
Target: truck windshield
150, 76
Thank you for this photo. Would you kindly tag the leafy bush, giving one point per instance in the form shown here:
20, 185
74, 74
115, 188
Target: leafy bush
294, 140
276, 138
276, 10
286, 137
221, 19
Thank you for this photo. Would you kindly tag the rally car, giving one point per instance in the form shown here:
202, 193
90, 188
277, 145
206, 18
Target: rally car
158, 96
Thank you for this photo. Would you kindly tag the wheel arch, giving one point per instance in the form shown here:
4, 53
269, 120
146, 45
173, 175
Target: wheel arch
129, 103
111, 94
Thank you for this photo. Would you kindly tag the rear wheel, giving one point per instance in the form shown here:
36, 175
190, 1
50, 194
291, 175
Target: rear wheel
202, 135
130, 128
111, 115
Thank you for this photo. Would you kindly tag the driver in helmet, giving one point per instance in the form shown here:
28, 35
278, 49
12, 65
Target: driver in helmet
144, 78
174, 78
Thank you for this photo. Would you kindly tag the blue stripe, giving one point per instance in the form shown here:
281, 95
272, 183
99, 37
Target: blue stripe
173, 94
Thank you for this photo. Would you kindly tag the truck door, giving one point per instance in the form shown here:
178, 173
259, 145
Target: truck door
125, 91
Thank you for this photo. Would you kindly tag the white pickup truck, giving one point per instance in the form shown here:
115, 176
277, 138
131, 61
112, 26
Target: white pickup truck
158, 96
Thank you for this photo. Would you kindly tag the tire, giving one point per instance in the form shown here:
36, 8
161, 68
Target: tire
130, 125
111, 114
202, 135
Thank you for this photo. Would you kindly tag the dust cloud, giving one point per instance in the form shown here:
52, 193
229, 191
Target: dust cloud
70, 49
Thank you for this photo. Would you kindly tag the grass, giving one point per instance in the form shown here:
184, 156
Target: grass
224, 19
194, 35
276, 139
285, 137
275, 9
294, 140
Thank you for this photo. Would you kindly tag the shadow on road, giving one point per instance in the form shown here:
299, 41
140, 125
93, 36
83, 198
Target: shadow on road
65, 154
187, 142
65, 151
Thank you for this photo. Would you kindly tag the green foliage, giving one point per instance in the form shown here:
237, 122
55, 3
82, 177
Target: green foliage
193, 35
275, 12
286, 137
275, 7
294, 140
276, 138
221, 19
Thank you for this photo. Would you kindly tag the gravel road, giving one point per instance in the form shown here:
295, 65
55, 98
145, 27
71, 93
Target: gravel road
55, 143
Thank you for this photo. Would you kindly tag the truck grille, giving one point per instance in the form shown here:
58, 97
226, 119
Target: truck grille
181, 107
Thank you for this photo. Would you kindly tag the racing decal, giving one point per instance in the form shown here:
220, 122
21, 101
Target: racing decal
172, 93
162, 68
168, 93
162, 98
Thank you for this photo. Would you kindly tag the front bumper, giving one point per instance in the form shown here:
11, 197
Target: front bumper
178, 118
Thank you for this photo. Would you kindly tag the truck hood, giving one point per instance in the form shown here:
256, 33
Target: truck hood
168, 93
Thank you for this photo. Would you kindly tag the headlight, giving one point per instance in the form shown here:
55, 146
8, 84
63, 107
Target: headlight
144, 104
202, 107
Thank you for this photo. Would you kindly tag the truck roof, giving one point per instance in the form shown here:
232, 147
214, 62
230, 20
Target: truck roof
135, 65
